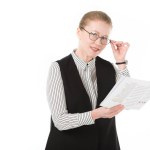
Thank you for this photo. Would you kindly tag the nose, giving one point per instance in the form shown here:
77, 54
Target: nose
98, 41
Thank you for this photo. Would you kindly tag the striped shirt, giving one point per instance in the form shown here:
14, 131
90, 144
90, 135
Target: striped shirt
56, 95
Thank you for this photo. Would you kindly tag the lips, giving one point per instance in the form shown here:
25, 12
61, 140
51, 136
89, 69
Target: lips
95, 49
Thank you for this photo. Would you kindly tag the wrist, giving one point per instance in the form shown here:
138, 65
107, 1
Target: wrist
122, 62
122, 67
96, 114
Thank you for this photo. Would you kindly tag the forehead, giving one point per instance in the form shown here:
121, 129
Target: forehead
98, 26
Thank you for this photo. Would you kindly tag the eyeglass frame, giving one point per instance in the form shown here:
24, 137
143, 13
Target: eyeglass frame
109, 40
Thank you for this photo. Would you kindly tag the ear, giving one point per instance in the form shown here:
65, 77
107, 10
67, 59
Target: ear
78, 32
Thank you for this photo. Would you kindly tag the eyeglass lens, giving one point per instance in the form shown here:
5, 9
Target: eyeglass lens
103, 40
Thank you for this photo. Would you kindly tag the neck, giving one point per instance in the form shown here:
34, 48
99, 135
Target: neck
83, 56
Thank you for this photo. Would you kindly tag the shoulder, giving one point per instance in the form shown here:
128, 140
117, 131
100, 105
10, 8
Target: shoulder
54, 68
56, 65
54, 73
65, 59
101, 60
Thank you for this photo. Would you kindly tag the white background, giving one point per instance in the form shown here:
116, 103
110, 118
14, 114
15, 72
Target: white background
34, 33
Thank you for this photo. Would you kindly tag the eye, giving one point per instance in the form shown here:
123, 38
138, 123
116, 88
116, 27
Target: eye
94, 34
104, 38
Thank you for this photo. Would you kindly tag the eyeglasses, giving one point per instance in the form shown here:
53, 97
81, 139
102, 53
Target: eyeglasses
94, 36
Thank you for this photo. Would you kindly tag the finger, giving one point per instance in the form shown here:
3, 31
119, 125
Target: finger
114, 108
126, 44
118, 43
115, 112
112, 41
113, 46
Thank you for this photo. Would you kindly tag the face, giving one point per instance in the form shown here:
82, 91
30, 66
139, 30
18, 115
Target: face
87, 47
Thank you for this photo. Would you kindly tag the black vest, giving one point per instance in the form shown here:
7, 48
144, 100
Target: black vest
100, 136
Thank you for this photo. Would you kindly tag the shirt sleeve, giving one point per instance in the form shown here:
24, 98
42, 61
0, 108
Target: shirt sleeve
57, 103
119, 73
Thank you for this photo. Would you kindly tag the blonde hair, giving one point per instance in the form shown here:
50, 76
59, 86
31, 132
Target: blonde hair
93, 16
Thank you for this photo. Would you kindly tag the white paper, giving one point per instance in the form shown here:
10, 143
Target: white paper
132, 93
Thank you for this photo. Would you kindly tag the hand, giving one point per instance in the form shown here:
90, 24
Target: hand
119, 49
103, 112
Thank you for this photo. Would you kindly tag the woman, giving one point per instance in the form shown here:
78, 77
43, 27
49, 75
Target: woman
79, 82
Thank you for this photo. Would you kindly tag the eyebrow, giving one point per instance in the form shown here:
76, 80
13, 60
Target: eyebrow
94, 31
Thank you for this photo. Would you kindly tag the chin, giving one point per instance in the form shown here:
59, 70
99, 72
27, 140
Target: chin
94, 54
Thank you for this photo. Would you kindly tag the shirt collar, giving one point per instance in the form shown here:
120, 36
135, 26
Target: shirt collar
82, 64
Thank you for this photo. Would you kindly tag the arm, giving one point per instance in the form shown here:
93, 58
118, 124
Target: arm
121, 72
56, 100
103, 112
119, 51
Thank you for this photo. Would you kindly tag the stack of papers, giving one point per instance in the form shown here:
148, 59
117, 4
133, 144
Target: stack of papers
132, 93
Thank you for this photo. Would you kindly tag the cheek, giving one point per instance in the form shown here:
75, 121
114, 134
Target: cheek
103, 46
86, 42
